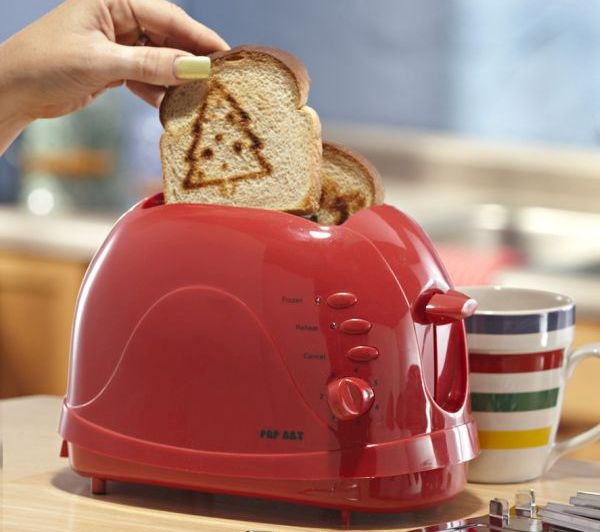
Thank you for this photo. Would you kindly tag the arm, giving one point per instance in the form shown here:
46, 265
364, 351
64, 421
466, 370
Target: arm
64, 60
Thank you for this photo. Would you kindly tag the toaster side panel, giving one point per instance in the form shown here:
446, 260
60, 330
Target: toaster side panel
225, 330
201, 372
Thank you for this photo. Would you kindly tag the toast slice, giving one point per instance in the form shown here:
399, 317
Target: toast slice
243, 137
349, 183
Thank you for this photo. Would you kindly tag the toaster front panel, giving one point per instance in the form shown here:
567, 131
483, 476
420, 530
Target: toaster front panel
344, 327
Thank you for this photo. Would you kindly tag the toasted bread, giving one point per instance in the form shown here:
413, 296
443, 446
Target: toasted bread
243, 137
349, 183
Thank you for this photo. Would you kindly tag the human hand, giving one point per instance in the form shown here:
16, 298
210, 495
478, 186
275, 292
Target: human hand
62, 61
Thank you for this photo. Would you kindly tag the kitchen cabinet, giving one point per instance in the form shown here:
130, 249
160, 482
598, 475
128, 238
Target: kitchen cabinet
37, 299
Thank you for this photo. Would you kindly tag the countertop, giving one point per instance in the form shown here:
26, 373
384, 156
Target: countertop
77, 235
70, 236
41, 493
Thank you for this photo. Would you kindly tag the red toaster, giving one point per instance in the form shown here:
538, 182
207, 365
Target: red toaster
257, 353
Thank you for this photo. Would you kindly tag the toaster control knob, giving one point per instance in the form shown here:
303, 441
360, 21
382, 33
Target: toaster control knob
349, 397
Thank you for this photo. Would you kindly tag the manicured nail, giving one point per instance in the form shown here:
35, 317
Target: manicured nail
192, 67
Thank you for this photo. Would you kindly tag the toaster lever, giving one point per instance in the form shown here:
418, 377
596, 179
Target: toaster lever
448, 307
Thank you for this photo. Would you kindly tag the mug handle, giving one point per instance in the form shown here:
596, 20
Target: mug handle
588, 436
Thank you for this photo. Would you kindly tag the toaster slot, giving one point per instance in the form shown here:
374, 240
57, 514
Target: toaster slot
154, 201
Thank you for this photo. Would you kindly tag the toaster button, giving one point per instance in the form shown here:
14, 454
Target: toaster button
355, 326
349, 397
362, 353
341, 300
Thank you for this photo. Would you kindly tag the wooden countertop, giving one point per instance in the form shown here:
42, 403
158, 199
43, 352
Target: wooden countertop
580, 408
41, 493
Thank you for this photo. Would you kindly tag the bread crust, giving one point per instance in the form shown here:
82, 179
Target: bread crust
375, 182
289, 61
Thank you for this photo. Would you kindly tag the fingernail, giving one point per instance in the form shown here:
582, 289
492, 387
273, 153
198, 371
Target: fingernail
192, 67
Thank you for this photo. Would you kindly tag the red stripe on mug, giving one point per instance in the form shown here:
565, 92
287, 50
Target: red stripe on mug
518, 363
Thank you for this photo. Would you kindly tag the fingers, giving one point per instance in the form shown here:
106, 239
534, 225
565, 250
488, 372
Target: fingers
145, 64
173, 33
151, 94
167, 23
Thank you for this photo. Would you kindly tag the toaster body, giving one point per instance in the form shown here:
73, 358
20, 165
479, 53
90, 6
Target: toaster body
258, 353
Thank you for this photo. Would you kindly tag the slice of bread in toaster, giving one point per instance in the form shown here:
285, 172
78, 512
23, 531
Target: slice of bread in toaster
243, 137
350, 183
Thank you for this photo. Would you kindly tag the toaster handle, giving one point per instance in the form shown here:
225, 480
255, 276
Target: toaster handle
449, 306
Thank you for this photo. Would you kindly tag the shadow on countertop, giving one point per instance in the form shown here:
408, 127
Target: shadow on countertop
266, 512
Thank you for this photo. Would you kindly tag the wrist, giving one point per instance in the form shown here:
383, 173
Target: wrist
10, 113
13, 115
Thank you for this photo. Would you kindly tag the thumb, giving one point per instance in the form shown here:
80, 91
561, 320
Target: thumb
147, 64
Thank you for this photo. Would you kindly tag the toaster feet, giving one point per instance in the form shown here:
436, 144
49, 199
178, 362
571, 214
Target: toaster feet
64, 449
98, 486
345, 514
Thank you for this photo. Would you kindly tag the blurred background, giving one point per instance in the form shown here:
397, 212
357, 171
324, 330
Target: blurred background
484, 118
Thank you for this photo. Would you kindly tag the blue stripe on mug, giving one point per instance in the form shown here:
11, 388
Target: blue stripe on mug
523, 324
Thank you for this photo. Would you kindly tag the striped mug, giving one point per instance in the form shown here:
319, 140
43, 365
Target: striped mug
520, 360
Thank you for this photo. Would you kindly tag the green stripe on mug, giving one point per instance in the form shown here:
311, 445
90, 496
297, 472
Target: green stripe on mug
514, 439
514, 402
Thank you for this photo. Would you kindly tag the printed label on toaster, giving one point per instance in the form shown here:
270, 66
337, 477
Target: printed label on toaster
314, 356
291, 300
306, 327
275, 434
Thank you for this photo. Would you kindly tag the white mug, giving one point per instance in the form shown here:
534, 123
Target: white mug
520, 359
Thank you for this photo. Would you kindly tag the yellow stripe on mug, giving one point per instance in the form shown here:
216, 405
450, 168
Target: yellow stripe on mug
514, 439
